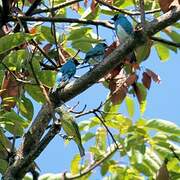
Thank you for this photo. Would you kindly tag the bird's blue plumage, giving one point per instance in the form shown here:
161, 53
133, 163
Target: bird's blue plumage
95, 55
65, 73
123, 27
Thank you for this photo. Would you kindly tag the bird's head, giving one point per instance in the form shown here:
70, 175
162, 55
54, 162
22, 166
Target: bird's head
117, 16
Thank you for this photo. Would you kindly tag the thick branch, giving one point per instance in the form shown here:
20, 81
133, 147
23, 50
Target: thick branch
34, 134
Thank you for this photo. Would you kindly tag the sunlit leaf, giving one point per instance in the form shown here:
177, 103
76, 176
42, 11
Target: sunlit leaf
162, 51
75, 164
130, 105
163, 125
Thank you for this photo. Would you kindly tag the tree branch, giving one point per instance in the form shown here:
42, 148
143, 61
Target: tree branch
130, 13
63, 20
171, 43
37, 129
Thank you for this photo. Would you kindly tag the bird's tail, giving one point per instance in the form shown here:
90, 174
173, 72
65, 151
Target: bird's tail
81, 150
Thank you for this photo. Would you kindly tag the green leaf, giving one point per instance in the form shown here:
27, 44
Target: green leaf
151, 163
50, 176
15, 59
143, 52
75, 164
78, 33
162, 51
163, 125
3, 166
27, 177
14, 123
130, 106
26, 108
84, 43
47, 77
11, 41
177, 25
143, 168
174, 36
142, 97
46, 34
101, 138
36, 93
88, 136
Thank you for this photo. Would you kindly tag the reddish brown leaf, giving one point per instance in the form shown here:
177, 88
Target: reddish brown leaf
93, 6
146, 80
155, 77
138, 93
131, 79
119, 95
166, 5
75, 6
12, 89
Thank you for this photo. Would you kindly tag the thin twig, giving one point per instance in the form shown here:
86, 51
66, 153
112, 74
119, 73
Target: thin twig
164, 41
62, 5
102, 121
141, 2
94, 165
15, 77
130, 13
174, 153
43, 52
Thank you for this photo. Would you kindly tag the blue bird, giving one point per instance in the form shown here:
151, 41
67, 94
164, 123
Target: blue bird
65, 73
123, 27
95, 55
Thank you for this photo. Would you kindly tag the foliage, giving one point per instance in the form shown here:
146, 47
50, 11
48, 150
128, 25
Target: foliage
28, 64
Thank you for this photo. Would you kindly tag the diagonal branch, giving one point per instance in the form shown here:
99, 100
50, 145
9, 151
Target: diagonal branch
38, 127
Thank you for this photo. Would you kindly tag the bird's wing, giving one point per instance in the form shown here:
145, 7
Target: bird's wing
127, 26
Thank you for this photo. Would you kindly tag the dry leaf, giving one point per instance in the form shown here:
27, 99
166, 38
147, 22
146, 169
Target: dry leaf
146, 80
166, 5
138, 93
119, 86
155, 77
